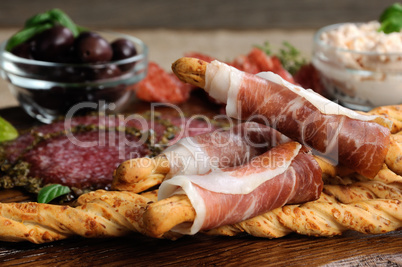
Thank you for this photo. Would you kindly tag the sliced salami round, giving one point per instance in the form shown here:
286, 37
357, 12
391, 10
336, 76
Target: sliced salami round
83, 152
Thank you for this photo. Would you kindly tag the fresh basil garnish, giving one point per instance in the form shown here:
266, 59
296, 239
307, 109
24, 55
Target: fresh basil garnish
50, 192
41, 22
7, 131
60, 17
391, 19
26, 34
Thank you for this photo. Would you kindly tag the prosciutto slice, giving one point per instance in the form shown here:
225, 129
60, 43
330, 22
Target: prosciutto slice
226, 147
357, 141
286, 174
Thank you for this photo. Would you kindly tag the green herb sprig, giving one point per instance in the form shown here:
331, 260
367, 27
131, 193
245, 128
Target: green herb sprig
50, 192
290, 57
41, 22
391, 19
7, 131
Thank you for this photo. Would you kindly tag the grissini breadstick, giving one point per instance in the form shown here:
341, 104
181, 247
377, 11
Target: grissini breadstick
368, 207
330, 170
110, 214
394, 158
166, 214
161, 219
393, 113
133, 176
386, 186
98, 214
140, 174
267, 225
327, 216
385, 189
374, 205
388, 176
283, 175
225, 147
300, 114
191, 70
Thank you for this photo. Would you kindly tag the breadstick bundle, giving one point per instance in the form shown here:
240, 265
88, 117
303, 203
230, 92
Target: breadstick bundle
363, 194
248, 178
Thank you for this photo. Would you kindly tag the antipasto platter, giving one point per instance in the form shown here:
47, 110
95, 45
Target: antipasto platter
351, 248
211, 163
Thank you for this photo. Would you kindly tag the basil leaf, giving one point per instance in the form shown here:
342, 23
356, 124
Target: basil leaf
391, 19
390, 26
40, 23
391, 11
38, 19
50, 192
59, 16
7, 131
26, 34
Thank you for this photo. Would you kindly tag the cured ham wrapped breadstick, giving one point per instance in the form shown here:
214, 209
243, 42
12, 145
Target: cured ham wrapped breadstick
199, 154
358, 141
283, 175
348, 203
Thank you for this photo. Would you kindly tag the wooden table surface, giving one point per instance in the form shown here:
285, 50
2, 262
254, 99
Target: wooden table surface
348, 250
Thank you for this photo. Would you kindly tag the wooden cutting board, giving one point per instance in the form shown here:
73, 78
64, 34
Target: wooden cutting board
350, 249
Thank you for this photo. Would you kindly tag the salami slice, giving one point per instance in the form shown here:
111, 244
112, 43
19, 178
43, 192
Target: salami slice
161, 86
60, 160
83, 152
258, 61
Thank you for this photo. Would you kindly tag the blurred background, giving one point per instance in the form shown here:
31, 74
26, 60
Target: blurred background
223, 29
205, 14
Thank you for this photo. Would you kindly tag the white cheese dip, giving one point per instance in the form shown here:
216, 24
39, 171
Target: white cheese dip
360, 66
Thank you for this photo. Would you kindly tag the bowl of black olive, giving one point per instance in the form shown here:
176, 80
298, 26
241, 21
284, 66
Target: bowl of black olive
59, 71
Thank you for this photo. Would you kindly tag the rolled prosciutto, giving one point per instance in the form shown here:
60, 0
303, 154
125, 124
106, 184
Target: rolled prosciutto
286, 174
226, 147
358, 141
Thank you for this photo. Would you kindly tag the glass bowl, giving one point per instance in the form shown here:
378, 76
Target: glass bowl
48, 90
356, 79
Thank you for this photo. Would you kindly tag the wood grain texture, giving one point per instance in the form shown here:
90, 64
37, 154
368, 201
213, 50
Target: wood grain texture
239, 14
136, 250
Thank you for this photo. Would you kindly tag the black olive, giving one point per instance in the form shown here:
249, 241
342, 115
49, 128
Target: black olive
92, 48
123, 48
106, 72
23, 50
53, 44
87, 34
